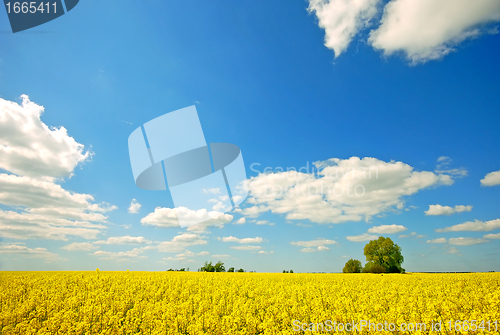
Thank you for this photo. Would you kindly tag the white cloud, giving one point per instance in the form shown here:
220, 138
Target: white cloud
180, 242
29, 147
28, 252
428, 29
83, 246
134, 254
37, 157
314, 243
491, 179
447, 210
466, 241
437, 240
240, 221
492, 236
452, 250
320, 242
387, 229
362, 237
412, 234
253, 211
167, 217
342, 20
31, 226
134, 207
203, 253
242, 240
344, 190
125, 240
247, 247
443, 167
266, 252
264, 222
311, 249
211, 191
473, 226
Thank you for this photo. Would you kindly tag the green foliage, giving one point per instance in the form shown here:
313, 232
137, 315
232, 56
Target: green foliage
385, 253
291, 271
231, 269
241, 270
371, 267
352, 266
219, 267
208, 267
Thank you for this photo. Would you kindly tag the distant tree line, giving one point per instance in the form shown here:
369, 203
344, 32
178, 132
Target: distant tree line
218, 267
382, 256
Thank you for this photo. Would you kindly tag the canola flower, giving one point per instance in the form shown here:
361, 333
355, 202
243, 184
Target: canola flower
103, 302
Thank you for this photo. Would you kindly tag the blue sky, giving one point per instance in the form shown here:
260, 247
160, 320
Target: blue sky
337, 84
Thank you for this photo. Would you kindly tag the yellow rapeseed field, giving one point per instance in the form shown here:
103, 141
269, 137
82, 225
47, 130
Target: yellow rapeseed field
246, 303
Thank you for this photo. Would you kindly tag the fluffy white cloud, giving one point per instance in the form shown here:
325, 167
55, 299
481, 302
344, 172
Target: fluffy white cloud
342, 20
247, 247
342, 190
491, 179
32, 226
134, 207
36, 157
240, 221
242, 240
167, 217
125, 240
320, 242
473, 226
437, 240
387, 229
133, 254
28, 147
452, 250
16, 249
266, 252
181, 242
412, 234
264, 222
362, 237
49, 199
83, 246
492, 236
430, 29
466, 241
447, 210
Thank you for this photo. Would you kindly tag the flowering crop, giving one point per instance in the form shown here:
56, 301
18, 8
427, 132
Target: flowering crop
238, 303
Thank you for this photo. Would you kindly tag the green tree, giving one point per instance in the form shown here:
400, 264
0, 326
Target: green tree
291, 271
219, 267
385, 253
231, 269
371, 267
241, 270
207, 267
352, 266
